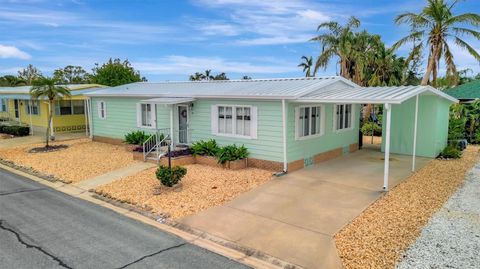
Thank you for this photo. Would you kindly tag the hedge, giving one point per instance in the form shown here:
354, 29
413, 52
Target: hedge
15, 130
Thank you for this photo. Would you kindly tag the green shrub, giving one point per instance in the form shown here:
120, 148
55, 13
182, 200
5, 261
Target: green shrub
451, 152
15, 130
170, 176
206, 148
232, 153
456, 128
476, 137
136, 137
368, 126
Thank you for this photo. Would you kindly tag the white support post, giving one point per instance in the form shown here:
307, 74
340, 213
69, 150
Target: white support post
85, 113
415, 134
90, 117
171, 129
284, 134
30, 114
388, 108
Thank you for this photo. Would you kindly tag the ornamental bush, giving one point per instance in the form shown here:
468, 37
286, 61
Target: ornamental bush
232, 153
15, 130
136, 137
170, 176
205, 148
451, 152
367, 128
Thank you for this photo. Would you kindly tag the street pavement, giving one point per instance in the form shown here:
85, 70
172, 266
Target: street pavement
43, 228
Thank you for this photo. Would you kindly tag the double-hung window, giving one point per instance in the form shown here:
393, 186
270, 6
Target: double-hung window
32, 107
146, 117
309, 121
3, 105
343, 116
102, 110
234, 120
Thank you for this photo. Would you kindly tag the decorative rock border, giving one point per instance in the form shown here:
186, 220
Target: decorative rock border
33, 172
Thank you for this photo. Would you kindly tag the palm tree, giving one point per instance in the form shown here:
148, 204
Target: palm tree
337, 42
46, 88
306, 65
433, 28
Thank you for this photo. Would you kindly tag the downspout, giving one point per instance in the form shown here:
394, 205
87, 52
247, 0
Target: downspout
284, 136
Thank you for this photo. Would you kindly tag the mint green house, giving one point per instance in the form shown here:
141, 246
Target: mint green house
286, 124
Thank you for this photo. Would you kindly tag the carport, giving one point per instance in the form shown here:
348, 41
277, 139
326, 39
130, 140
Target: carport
415, 118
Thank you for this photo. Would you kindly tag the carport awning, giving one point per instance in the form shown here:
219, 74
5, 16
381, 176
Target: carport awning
371, 95
169, 100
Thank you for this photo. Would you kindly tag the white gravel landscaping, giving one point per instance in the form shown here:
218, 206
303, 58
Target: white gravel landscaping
452, 237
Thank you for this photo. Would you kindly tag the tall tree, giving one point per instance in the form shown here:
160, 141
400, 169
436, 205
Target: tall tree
337, 42
306, 65
71, 75
433, 28
246, 77
46, 88
29, 74
11, 81
115, 72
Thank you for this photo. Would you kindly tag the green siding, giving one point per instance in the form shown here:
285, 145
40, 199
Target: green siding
267, 146
307, 148
122, 117
432, 128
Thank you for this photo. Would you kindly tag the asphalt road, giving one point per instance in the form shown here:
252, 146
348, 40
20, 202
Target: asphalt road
44, 228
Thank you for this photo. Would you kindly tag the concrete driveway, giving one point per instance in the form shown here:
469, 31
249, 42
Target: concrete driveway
294, 217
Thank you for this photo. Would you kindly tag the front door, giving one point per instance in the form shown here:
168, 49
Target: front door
16, 108
182, 124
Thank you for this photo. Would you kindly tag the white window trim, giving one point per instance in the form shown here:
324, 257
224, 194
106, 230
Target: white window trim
99, 108
253, 121
322, 122
153, 116
352, 117
27, 107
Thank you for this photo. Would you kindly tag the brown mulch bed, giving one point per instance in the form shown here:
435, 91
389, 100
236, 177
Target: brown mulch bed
380, 235
83, 159
202, 187
48, 149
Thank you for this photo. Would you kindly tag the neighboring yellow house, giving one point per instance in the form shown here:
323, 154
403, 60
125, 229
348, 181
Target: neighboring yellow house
16, 105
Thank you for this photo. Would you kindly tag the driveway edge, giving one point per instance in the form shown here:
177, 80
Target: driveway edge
199, 239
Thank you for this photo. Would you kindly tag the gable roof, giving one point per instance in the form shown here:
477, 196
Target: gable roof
470, 90
316, 89
282, 88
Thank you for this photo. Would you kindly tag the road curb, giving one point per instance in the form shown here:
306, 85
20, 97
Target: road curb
197, 239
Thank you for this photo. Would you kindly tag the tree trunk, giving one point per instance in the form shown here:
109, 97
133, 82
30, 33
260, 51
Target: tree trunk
49, 125
431, 64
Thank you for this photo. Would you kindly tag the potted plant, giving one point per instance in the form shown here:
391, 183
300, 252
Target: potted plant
135, 139
233, 157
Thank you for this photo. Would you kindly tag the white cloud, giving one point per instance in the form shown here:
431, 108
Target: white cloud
13, 52
183, 65
266, 22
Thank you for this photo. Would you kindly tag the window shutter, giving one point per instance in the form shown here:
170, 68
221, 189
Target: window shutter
352, 116
154, 115
139, 115
214, 119
254, 122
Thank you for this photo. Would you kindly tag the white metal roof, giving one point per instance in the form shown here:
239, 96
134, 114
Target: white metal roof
307, 90
285, 88
26, 89
371, 95
169, 100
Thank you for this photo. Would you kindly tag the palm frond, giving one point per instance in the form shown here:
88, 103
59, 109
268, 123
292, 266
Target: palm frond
409, 38
466, 31
471, 18
469, 48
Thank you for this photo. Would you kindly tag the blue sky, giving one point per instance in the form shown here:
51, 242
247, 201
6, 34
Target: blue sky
168, 40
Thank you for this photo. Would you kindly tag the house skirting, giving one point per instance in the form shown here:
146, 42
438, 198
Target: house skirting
253, 162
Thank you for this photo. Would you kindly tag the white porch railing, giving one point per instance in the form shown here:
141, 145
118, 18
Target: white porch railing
155, 146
